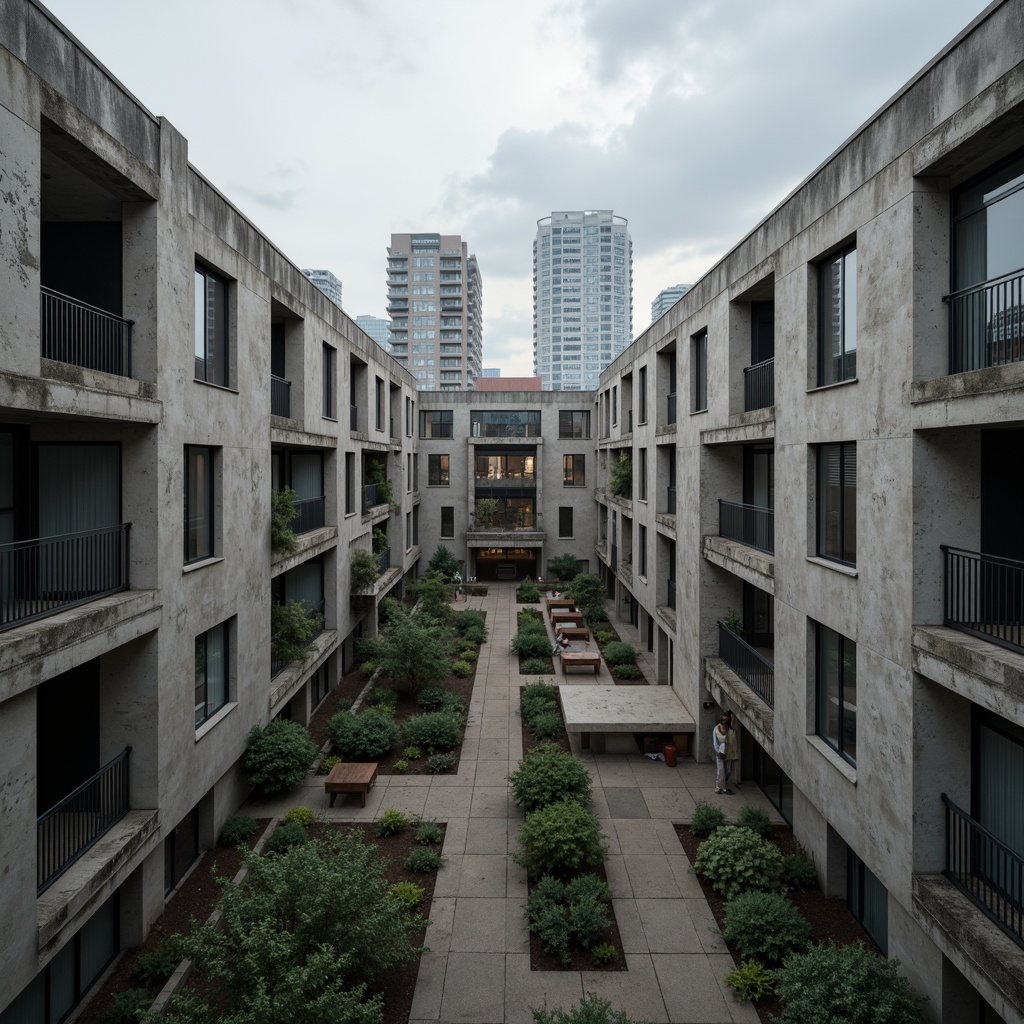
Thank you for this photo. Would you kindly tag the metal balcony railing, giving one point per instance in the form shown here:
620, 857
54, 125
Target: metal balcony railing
353, 417
670, 416
984, 595
41, 576
986, 324
277, 665
751, 666
384, 560
69, 828
759, 385
312, 514
280, 396
987, 871
75, 332
749, 524
369, 497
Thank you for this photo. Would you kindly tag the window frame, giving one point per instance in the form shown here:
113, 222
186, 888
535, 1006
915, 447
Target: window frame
329, 396
822, 510
448, 520
642, 388
566, 512
574, 424
440, 420
574, 473
844, 362
209, 709
823, 689
439, 470
221, 365
210, 484
699, 371
860, 881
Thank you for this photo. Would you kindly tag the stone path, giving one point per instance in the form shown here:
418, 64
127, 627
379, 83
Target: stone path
477, 970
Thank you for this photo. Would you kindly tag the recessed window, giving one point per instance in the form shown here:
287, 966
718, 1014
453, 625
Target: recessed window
837, 317
641, 474
448, 521
330, 406
437, 423
379, 395
574, 470
350, 483
642, 552
437, 470
565, 523
573, 425
211, 658
642, 398
200, 503
868, 900
212, 351
699, 371
837, 502
836, 686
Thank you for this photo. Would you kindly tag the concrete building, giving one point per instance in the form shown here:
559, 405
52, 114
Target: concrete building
667, 298
378, 328
327, 283
507, 384
435, 299
491, 371
582, 296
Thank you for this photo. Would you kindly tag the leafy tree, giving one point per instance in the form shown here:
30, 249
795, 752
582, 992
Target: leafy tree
282, 514
377, 473
365, 570
435, 597
444, 563
587, 590
412, 651
565, 567
622, 476
292, 629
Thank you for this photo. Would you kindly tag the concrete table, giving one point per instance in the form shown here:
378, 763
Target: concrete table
351, 777
609, 710
586, 658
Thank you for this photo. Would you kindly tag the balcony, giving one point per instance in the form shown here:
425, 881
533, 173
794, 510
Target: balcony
983, 595
280, 396
383, 561
75, 332
72, 826
747, 524
985, 324
749, 664
759, 386
41, 576
312, 514
279, 664
371, 497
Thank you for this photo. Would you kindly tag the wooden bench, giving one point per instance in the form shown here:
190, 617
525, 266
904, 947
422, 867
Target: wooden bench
555, 604
573, 632
351, 777
566, 619
585, 658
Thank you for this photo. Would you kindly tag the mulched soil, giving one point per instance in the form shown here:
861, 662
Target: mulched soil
829, 918
348, 688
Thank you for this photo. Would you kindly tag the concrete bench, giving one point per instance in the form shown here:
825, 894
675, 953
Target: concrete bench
606, 717
587, 659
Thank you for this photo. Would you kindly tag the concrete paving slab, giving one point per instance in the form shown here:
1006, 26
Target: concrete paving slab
742, 1013
631, 931
479, 925
651, 876
483, 875
494, 773
526, 990
634, 990
426, 1001
689, 985
686, 879
474, 989
638, 837
442, 917
706, 927
444, 802
455, 837
672, 804
625, 802
487, 835
618, 877
449, 877
491, 802
494, 748
667, 926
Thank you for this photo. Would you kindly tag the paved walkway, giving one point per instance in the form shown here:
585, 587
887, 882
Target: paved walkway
477, 970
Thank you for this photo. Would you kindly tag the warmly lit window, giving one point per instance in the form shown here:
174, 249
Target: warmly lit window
574, 470
437, 470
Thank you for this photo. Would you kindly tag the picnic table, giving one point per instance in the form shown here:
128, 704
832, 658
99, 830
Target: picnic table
577, 658
351, 777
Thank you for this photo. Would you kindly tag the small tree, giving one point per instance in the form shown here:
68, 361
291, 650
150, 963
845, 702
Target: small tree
378, 474
485, 511
411, 651
282, 514
365, 570
292, 629
565, 567
587, 590
435, 597
444, 563
380, 540
622, 476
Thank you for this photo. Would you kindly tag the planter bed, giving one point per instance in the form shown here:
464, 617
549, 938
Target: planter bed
547, 659
348, 688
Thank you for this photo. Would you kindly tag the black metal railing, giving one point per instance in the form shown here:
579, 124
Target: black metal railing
670, 501
984, 595
277, 665
384, 560
987, 871
748, 524
751, 666
353, 417
670, 597
75, 332
369, 497
280, 396
670, 416
312, 514
615, 558
41, 576
70, 827
759, 385
985, 324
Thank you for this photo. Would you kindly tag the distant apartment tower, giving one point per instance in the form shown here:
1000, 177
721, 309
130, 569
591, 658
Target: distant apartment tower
327, 283
378, 328
582, 296
435, 300
491, 371
667, 298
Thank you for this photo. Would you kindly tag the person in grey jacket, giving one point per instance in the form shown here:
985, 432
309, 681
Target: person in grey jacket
719, 740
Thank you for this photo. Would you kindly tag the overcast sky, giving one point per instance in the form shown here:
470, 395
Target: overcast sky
333, 123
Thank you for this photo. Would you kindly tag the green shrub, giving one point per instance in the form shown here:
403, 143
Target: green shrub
622, 476
756, 819
285, 836
552, 928
604, 953
367, 669
706, 818
128, 1007
751, 980
293, 626
591, 1010
429, 833
537, 667
565, 568
412, 651
844, 985
302, 815
362, 737
736, 859
603, 637
328, 763
409, 894
765, 926
238, 831
391, 822
440, 764
533, 626
531, 645
527, 592
477, 634
618, 653
433, 730
462, 669
469, 654
547, 725
798, 872
159, 964
400, 767
530, 614
444, 562
282, 514
364, 567
594, 615
560, 838
381, 696
536, 699
277, 758
432, 698
412, 752
469, 620
422, 860
586, 590
560, 914
627, 672
546, 775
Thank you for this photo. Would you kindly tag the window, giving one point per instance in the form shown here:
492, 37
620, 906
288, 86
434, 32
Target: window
437, 470
574, 470
837, 317
699, 371
868, 900
836, 686
671, 413
565, 522
437, 423
642, 404
524, 423
350, 483
837, 502
408, 417
408, 531
199, 503
573, 425
330, 409
416, 471
642, 552
615, 404
211, 327
447, 520
380, 403
211, 672
641, 474
415, 525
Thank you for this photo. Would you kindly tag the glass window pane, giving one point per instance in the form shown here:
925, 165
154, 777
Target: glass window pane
98, 943
829, 501
828, 685
200, 325
849, 669
849, 512
216, 668
831, 325
849, 368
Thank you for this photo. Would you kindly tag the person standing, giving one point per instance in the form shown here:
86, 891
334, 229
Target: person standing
731, 754
720, 740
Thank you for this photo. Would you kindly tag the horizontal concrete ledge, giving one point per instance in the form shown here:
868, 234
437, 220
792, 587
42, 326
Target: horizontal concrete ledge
624, 709
287, 682
84, 394
751, 426
729, 691
955, 386
285, 431
308, 545
756, 567
977, 669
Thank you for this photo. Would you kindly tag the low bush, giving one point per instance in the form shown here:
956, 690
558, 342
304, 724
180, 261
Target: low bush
531, 645
591, 1010
798, 872
367, 669
469, 620
561, 838
527, 592
422, 860
603, 637
529, 614
238, 831
533, 626
736, 860
706, 818
413, 753
160, 963
433, 731
547, 725
431, 698
618, 653
277, 758
565, 568
129, 1007
462, 669
546, 775
409, 894
765, 926
845, 985
626, 672
536, 699
469, 654
750, 980
476, 634
429, 833
537, 667
594, 615
328, 763
440, 764
756, 819
560, 914
285, 836
301, 815
604, 953
381, 696
400, 767
364, 737
391, 822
